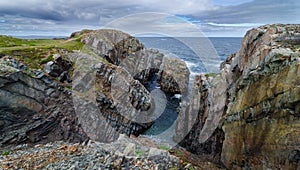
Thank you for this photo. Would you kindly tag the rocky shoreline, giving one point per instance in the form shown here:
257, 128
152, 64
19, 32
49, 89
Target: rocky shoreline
68, 105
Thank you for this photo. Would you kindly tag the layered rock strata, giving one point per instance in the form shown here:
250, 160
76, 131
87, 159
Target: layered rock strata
247, 116
94, 93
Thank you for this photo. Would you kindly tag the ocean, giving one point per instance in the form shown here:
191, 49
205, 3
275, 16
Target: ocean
217, 48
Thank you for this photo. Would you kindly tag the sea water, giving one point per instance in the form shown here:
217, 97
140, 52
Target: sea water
163, 127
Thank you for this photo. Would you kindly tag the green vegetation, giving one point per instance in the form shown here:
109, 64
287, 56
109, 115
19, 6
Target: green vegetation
211, 74
11, 43
178, 153
6, 153
139, 152
164, 148
36, 52
191, 168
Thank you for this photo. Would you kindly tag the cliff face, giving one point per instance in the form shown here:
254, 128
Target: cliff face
95, 92
34, 108
127, 52
248, 115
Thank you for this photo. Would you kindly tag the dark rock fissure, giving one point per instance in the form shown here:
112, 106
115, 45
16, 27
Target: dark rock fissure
169, 115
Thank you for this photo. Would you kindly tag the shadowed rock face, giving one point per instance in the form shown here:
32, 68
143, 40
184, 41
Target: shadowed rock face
198, 121
35, 110
97, 93
253, 120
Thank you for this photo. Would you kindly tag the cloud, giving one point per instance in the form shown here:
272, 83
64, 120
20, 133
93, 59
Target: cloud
91, 10
257, 11
235, 25
230, 2
156, 24
40, 17
219, 16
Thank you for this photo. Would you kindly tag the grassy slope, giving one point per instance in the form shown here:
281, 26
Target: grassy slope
36, 52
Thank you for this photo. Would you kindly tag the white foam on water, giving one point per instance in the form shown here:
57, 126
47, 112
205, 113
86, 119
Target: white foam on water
177, 96
190, 64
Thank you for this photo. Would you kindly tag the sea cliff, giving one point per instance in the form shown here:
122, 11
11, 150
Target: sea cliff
90, 88
248, 114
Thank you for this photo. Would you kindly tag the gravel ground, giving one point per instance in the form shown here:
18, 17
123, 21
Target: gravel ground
125, 153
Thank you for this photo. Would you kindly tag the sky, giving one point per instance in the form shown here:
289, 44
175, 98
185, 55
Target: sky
213, 18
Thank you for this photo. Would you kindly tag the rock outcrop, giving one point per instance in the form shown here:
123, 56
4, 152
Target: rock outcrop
94, 93
127, 52
35, 108
248, 115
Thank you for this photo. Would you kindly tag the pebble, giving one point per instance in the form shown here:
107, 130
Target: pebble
91, 155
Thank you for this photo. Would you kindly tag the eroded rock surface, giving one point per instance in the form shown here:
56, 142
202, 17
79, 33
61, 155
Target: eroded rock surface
35, 109
248, 115
127, 52
94, 93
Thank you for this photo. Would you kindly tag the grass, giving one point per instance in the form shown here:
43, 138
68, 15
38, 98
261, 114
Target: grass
11, 43
36, 52
164, 148
139, 152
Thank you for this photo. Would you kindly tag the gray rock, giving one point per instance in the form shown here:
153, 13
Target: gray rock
130, 149
246, 102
